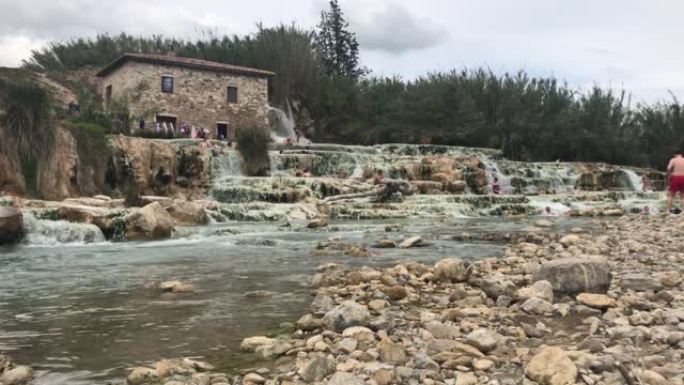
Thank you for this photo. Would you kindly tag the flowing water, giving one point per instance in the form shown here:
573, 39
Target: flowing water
82, 313
81, 310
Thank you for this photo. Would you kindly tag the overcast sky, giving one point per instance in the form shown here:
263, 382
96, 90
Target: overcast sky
631, 44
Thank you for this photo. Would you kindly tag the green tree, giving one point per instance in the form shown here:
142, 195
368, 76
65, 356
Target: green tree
338, 45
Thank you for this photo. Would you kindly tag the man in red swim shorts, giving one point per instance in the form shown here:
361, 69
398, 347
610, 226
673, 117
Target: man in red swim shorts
675, 173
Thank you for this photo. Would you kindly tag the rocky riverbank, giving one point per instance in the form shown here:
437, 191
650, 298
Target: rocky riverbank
583, 308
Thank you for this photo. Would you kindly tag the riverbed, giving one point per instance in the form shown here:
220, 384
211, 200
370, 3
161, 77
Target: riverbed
83, 313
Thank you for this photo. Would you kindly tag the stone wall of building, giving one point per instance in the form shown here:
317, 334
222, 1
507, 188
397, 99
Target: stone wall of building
199, 97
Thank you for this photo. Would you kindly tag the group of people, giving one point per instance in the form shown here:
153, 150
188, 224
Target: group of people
184, 130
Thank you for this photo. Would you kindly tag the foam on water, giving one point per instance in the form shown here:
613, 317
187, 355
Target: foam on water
41, 232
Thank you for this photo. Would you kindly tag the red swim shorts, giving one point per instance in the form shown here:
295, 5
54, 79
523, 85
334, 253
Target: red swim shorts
676, 184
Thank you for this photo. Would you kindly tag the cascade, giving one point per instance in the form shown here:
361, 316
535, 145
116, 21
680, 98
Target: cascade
634, 180
227, 165
493, 171
48, 232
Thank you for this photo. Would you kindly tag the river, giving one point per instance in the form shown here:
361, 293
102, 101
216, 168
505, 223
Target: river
83, 313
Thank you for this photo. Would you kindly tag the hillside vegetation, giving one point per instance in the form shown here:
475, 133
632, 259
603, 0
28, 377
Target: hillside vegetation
529, 118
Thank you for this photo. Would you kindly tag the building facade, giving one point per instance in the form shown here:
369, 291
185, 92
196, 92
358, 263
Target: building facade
181, 92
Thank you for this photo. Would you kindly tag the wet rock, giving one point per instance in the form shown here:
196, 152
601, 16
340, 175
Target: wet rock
317, 223
166, 368
543, 223
640, 282
540, 289
187, 213
484, 339
316, 368
551, 366
322, 304
597, 301
253, 378
537, 306
19, 375
415, 241
149, 222
576, 275
252, 343
11, 224
385, 244
177, 287
343, 378
347, 314
451, 269
142, 375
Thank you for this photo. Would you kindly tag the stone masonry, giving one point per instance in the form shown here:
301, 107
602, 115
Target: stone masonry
199, 95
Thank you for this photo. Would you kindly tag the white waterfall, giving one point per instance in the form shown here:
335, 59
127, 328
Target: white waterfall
634, 180
283, 125
493, 171
42, 232
228, 164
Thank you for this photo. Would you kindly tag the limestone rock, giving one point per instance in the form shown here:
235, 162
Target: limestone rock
569, 240
252, 343
539, 289
19, 375
315, 368
451, 269
343, 378
392, 353
496, 285
149, 222
484, 339
576, 275
348, 313
551, 366
537, 306
671, 278
640, 282
187, 213
142, 375
466, 379
415, 241
597, 301
11, 224
385, 244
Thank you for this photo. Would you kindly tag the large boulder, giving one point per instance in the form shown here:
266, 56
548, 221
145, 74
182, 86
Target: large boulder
186, 213
19, 375
347, 314
11, 224
149, 222
576, 275
551, 366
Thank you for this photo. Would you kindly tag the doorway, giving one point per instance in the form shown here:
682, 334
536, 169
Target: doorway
222, 131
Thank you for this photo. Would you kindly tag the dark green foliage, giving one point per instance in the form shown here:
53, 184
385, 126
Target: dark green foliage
27, 119
338, 45
528, 118
252, 142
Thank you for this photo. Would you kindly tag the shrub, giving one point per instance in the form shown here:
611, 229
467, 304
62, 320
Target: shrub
252, 142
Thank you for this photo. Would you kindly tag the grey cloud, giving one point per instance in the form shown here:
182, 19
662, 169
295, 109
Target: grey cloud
395, 30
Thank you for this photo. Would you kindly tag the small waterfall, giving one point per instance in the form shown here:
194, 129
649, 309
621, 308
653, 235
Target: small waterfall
228, 164
634, 180
493, 171
283, 125
41, 232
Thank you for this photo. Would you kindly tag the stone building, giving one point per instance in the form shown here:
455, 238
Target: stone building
178, 91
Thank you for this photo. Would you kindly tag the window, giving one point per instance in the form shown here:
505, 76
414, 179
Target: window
167, 84
108, 95
232, 95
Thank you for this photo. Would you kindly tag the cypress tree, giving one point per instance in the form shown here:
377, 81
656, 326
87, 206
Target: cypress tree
338, 45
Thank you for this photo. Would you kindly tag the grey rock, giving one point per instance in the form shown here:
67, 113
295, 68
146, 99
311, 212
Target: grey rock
11, 224
576, 275
640, 282
343, 378
537, 306
348, 313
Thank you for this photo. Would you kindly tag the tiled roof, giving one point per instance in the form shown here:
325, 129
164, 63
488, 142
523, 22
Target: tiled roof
187, 62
